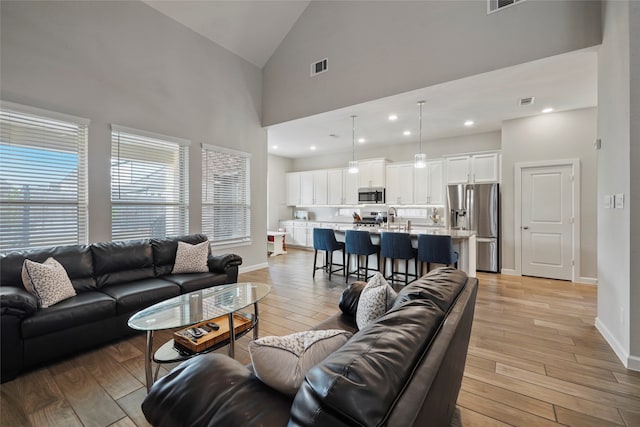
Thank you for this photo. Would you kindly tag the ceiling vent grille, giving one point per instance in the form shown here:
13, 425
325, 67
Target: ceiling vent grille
526, 101
319, 67
495, 5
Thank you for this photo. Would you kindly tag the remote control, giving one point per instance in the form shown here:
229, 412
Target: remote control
213, 325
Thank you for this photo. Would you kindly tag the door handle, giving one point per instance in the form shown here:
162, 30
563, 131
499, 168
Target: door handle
525, 228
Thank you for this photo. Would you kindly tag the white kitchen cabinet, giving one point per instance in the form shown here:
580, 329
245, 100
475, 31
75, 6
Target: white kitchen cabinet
400, 181
313, 188
474, 168
299, 235
342, 187
293, 188
429, 184
371, 173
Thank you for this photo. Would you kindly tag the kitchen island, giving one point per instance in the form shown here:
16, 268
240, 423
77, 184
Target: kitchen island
464, 241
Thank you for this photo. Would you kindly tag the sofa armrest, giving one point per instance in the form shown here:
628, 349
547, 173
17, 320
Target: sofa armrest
17, 302
221, 263
214, 389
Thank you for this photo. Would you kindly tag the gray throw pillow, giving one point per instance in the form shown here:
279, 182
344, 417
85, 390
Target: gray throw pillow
48, 281
375, 299
191, 258
282, 362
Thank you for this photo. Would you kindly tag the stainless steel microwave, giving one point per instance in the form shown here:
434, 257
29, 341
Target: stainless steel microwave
374, 195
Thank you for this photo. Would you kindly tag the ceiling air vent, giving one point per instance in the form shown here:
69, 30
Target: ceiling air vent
494, 5
526, 101
319, 67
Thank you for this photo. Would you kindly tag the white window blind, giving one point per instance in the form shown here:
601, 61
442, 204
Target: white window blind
226, 201
43, 178
149, 185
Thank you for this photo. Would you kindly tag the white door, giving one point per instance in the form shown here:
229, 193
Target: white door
547, 222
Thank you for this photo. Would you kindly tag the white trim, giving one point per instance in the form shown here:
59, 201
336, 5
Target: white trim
254, 267
225, 150
44, 113
138, 132
227, 245
575, 250
629, 362
587, 280
509, 272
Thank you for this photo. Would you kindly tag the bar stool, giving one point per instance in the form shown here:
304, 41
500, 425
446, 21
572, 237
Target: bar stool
324, 239
398, 246
436, 248
359, 243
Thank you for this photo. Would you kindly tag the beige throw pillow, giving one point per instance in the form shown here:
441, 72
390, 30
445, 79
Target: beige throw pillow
48, 281
375, 299
282, 362
191, 258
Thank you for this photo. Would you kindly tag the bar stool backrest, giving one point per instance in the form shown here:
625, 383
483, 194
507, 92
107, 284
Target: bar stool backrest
359, 242
324, 239
396, 246
436, 248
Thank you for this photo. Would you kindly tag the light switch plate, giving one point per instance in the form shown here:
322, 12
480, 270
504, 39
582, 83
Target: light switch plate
608, 201
619, 200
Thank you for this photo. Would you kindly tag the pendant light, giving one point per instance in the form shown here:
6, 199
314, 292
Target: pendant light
420, 158
353, 163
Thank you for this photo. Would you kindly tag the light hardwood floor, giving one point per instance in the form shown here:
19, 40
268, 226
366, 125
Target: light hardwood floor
535, 358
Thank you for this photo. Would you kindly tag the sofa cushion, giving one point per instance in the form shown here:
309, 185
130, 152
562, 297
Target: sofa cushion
441, 286
375, 299
195, 281
137, 295
191, 258
122, 262
48, 281
76, 260
85, 307
164, 251
361, 381
282, 362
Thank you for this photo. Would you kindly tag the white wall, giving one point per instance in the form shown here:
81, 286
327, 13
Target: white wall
126, 63
404, 152
562, 135
277, 208
619, 128
382, 48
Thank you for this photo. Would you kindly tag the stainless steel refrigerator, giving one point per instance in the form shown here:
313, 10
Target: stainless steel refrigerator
477, 207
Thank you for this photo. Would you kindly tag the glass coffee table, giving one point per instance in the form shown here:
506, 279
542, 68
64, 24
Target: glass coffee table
195, 307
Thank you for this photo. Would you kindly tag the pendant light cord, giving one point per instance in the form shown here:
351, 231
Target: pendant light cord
421, 103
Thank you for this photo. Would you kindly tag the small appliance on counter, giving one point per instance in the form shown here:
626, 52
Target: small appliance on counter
303, 215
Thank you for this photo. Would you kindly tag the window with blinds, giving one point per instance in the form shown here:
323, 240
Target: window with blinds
149, 185
43, 178
226, 204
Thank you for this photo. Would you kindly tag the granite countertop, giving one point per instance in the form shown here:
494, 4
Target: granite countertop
415, 230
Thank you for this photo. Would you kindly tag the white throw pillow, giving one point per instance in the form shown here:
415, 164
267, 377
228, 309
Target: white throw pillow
375, 299
191, 258
48, 281
282, 362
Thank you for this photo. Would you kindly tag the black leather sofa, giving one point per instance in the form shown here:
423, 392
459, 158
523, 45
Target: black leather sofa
113, 280
403, 369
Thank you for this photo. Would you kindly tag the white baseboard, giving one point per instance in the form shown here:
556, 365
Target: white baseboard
253, 267
509, 272
629, 362
587, 280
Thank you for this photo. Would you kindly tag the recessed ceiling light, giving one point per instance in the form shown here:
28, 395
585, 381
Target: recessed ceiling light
406, 133
393, 117
313, 147
362, 140
547, 110
275, 147
469, 123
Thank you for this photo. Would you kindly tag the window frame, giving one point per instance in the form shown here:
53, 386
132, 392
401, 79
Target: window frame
246, 239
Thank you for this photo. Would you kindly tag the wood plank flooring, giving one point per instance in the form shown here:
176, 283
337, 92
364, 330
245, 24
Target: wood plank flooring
535, 358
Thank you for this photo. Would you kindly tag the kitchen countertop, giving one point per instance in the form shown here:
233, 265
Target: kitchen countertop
415, 231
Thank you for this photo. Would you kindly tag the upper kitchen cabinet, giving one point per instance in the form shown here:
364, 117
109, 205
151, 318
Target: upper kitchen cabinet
474, 168
313, 188
400, 184
342, 187
293, 188
371, 173
429, 184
